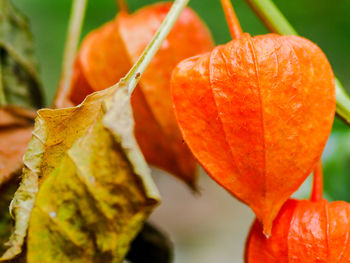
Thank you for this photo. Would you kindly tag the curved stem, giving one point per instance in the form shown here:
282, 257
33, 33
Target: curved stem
73, 35
276, 22
231, 18
317, 188
271, 16
140, 66
343, 102
122, 5
3, 101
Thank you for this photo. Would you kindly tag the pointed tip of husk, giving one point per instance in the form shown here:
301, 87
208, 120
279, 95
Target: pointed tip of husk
267, 220
267, 230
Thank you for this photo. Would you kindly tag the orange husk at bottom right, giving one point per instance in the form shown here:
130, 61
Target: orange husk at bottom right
305, 231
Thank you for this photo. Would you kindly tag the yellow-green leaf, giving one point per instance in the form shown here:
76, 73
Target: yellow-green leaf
86, 188
94, 187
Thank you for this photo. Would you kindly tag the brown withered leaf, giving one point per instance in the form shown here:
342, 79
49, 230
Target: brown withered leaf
19, 88
7, 191
20, 83
16, 125
86, 189
6, 194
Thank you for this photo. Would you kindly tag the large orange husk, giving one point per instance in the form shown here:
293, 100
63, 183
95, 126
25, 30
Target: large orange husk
303, 232
257, 113
107, 54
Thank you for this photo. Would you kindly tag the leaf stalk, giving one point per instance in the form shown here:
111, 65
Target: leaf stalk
275, 21
72, 40
3, 100
133, 76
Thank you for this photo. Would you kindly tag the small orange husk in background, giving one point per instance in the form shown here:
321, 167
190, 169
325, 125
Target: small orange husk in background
106, 54
304, 232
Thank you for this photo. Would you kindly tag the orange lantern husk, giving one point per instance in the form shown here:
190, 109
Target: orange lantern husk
107, 54
304, 232
256, 113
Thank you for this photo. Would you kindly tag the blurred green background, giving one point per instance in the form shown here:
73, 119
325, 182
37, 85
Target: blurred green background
326, 22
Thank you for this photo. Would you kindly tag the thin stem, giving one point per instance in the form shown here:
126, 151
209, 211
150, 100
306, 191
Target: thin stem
133, 76
276, 22
343, 102
317, 188
3, 100
271, 17
73, 35
122, 5
231, 18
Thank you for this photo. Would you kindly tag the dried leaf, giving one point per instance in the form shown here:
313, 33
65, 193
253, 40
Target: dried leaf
18, 74
6, 194
94, 187
107, 53
19, 89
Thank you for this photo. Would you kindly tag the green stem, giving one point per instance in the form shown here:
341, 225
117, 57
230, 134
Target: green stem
277, 23
272, 17
140, 66
73, 35
3, 101
343, 102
